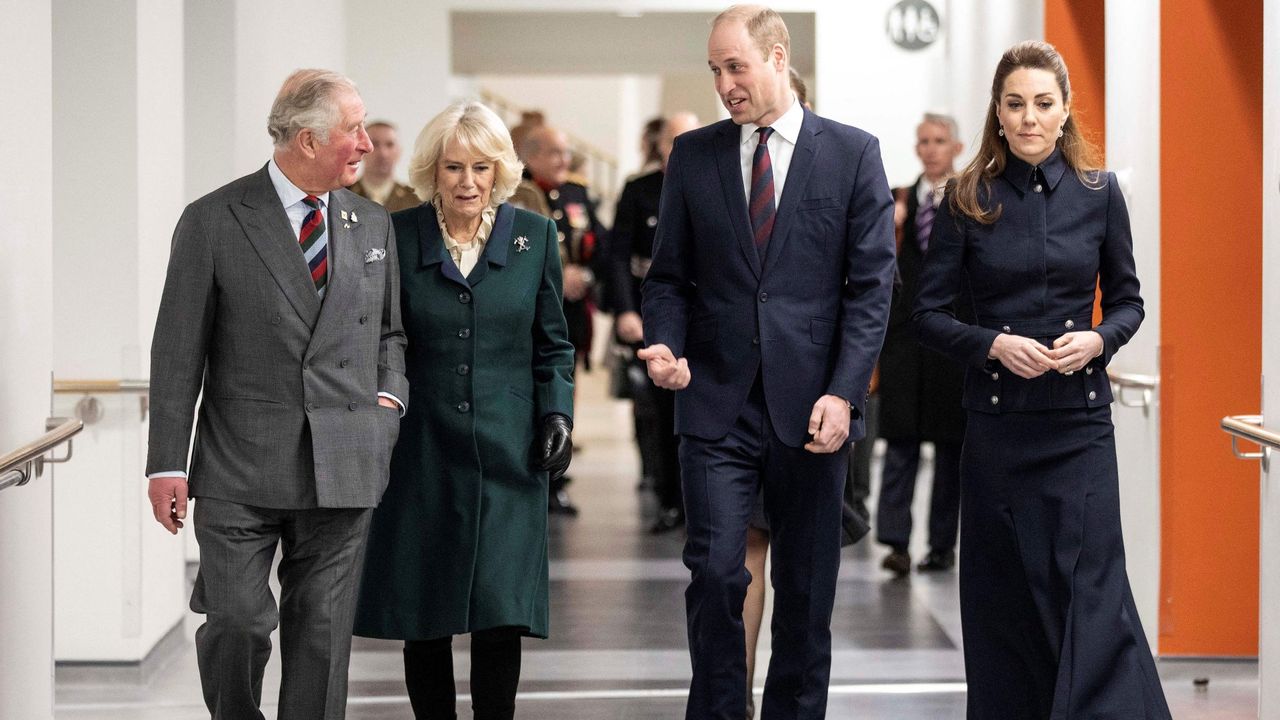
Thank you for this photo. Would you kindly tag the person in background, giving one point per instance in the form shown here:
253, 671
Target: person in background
546, 153
459, 544
1036, 228
920, 389
378, 182
281, 311
651, 147
631, 245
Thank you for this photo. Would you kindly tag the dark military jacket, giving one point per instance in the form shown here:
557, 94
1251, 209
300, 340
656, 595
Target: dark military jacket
631, 243
401, 197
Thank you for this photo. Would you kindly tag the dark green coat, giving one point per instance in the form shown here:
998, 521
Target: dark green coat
459, 542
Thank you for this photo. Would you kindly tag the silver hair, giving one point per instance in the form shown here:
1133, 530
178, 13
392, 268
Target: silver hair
307, 100
945, 121
478, 130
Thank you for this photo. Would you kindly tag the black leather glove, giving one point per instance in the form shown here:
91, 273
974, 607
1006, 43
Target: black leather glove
556, 445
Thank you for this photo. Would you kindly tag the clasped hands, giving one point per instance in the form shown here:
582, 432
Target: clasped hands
1029, 359
828, 423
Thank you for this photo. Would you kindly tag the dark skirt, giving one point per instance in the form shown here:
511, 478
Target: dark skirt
1050, 627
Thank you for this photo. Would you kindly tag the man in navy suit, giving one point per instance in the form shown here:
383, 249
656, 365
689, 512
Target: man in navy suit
765, 308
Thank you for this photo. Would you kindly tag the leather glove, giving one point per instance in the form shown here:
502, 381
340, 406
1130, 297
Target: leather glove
556, 446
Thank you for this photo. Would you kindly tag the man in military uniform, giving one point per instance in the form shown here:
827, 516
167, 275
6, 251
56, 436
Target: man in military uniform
378, 183
630, 248
546, 155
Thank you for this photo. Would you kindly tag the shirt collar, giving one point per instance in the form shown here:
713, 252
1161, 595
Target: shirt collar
289, 193
1021, 174
787, 127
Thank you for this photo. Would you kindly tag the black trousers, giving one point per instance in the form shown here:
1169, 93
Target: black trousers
655, 418
898, 488
802, 502
495, 674
858, 487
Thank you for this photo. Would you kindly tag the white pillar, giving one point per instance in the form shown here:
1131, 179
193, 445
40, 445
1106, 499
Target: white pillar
1133, 152
26, 513
1269, 622
117, 190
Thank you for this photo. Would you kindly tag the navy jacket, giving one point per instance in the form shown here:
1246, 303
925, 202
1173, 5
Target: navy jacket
1032, 273
809, 317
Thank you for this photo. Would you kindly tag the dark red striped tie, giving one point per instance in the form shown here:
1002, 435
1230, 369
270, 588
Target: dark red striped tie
314, 244
762, 209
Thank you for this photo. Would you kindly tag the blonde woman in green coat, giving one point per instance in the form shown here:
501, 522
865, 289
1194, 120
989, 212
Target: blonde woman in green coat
459, 543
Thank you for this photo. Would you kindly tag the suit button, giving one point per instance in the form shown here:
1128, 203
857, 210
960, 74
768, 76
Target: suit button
557, 214
464, 297
464, 406
652, 221
463, 369
1006, 328
306, 366
559, 236
364, 319
351, 406
1093, 395
764, 297
275, 320
554, 194
464, 333
1070, 324
1038, 188
311, 407
995, 400
1088, 371
995, 376
755, 340
345, 362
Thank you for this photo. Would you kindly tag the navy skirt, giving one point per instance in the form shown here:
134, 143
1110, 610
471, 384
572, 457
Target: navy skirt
1050, 627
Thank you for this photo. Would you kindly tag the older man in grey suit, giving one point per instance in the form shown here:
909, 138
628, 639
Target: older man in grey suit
282, 305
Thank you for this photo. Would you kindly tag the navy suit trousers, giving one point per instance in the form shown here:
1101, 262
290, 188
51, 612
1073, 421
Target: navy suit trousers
802, 501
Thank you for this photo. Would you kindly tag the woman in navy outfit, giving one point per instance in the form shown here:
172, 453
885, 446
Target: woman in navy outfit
1050, 626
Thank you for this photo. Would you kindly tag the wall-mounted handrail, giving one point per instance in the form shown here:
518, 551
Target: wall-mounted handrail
19, 466
1125, 384
89, 409
1249, 427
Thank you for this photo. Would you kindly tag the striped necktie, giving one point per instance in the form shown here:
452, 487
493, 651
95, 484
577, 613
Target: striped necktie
314, 243
924, 220
762, 209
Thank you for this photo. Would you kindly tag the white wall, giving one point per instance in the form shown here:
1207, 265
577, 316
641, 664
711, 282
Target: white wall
26, 297
1269, 622
1133, 151
117, 190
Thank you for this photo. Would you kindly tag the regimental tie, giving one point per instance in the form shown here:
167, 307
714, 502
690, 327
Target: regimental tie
924, 220
762, 209
314, 243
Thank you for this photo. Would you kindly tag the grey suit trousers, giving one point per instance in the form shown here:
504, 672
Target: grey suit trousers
323, 555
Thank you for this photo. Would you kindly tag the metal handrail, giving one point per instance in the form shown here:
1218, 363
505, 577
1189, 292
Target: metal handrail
19, 466
1147, 384
1249, 427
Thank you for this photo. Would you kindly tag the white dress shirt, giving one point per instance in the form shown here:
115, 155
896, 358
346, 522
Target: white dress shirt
924, 188
782, 145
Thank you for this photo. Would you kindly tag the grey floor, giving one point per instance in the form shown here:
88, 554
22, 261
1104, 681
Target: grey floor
618, 647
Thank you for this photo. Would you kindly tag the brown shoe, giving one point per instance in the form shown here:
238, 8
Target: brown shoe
897, 562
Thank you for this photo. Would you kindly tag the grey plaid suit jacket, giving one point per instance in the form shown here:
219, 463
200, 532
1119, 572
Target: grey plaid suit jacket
289, 417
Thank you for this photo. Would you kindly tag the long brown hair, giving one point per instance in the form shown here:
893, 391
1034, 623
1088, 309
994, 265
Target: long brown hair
1080, 154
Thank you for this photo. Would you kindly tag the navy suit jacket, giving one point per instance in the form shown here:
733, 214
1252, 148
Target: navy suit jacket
810, 316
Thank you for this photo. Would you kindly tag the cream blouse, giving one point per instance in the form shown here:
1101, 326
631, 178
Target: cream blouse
465, 254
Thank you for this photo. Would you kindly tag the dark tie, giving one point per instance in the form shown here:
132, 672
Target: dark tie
924, 221
314, 246
762, 209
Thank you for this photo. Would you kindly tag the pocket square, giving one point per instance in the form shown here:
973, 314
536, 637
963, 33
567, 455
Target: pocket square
374, 255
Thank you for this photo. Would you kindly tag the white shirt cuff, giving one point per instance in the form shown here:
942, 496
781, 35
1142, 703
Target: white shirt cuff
393, 399
167, 473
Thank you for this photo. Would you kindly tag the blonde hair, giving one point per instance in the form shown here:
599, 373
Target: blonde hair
764, 25
308, 100
478, 130
1080, 154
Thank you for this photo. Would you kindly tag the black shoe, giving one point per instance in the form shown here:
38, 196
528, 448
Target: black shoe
938, 560
668, 520
558, 503
897, 562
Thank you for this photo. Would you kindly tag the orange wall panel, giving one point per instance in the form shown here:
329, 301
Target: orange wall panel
1078, 29
1211, 321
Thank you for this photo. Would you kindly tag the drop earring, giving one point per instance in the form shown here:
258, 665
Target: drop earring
1000, 132
1059, 132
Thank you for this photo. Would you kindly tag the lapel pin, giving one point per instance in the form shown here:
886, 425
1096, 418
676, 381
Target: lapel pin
346, 226
353, 217
522, 243
344, 214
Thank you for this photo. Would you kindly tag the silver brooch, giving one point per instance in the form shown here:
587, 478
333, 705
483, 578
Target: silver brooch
522, 243
374, 255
